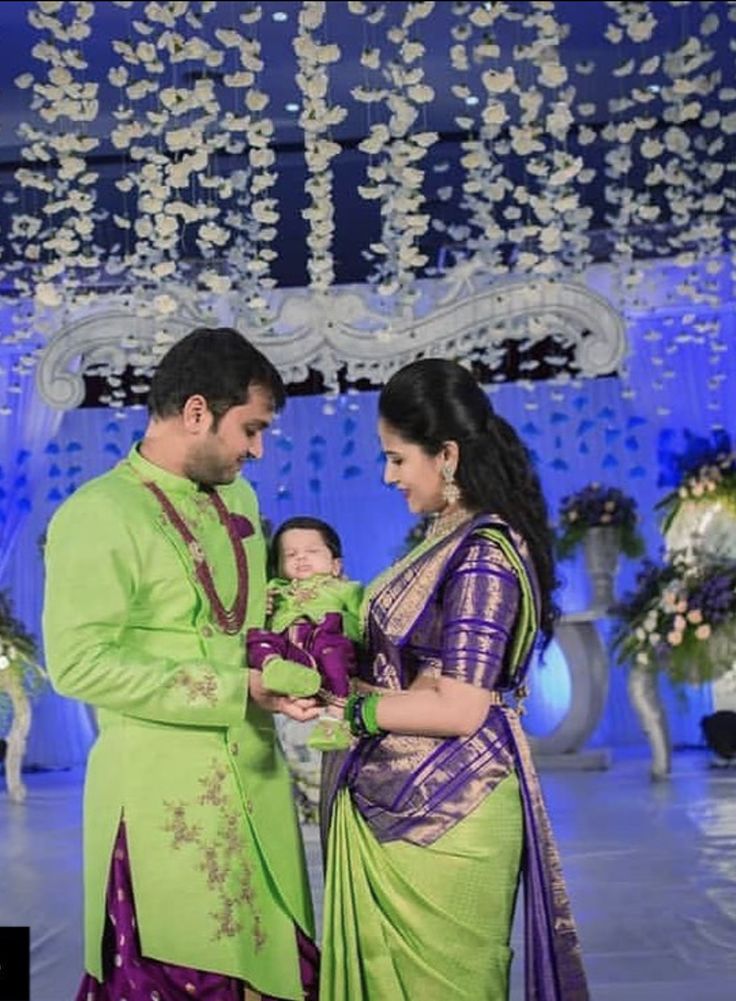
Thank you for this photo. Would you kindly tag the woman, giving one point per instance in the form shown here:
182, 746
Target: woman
437, 807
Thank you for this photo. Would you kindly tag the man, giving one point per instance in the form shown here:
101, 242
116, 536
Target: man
195, 883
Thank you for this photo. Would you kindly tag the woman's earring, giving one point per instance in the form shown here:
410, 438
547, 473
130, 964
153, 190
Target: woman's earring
450, 489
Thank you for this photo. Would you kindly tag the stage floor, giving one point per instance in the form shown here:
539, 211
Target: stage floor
651, 870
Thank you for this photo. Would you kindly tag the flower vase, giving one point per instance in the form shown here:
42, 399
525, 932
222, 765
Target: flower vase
601, 551
643, 689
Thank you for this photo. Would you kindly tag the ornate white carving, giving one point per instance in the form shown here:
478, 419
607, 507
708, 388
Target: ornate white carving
110, 335
344, 329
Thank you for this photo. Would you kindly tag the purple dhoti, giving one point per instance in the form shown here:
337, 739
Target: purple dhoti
130, 976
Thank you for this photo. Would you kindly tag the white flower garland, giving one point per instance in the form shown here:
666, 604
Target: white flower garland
395, 175
317, 119
63, 247
255, 216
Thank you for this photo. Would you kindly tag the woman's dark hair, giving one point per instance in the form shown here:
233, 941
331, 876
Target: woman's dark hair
329, 536
217, 363
434, 400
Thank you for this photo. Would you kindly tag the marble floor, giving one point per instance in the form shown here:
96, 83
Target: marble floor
651, 869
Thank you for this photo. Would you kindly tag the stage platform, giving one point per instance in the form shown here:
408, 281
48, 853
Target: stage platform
651, 868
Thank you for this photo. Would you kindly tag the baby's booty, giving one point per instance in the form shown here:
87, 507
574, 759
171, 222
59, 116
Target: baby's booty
330, 734
289, 678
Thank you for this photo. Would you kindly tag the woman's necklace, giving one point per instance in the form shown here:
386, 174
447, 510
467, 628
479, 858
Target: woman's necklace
230, 620
440, 526
447, 521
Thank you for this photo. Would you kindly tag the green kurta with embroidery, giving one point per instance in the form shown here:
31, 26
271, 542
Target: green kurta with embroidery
313, 598
216, 857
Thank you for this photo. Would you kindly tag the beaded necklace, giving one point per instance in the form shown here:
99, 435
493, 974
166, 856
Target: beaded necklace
230, 620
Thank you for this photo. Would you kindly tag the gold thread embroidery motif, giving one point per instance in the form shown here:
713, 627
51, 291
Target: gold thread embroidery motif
219, 858
205, 688
181, 832
212, 784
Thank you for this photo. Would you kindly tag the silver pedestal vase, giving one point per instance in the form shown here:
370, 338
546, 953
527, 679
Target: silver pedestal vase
601, 551
643, 688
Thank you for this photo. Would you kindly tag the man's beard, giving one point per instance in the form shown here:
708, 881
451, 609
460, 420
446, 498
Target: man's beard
211, 470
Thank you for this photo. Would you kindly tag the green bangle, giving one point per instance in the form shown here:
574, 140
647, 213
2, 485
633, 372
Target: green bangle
369, 712
349, 711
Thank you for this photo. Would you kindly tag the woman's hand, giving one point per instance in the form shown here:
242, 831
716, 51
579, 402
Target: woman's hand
438, 707
363, 688
301, 710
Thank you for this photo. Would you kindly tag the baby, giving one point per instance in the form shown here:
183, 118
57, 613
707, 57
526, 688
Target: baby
313, 622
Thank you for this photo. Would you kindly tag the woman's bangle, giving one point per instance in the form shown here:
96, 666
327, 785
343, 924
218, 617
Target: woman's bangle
361, 715
369, 712
349, 712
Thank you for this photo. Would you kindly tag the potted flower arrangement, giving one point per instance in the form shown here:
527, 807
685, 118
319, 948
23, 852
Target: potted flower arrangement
20, 678
705, 473
681, 618
603, 520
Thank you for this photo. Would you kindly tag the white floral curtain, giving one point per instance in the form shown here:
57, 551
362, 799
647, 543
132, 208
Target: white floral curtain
26, 427
60, 734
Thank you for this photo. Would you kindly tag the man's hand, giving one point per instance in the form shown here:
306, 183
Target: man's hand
270, 602
301, 710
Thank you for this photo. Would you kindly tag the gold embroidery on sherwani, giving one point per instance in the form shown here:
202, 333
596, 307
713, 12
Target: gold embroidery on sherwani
203, 688
220, 859
214, 793
181, 832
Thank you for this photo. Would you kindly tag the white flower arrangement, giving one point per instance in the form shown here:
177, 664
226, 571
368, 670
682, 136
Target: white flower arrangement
522, 155
19, 669
711, 477
681, 617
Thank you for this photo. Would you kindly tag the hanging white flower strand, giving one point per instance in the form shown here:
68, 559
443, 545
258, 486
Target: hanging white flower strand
317, 119
485, 184
396, 150
635, 114
557, 224
254, 217
162, 129
61, 251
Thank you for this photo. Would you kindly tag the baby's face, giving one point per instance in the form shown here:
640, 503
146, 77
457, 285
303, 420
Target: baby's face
303, 553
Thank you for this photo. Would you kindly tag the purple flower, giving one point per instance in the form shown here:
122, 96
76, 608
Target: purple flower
599, 505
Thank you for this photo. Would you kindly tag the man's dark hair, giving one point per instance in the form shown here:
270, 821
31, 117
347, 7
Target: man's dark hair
217, 363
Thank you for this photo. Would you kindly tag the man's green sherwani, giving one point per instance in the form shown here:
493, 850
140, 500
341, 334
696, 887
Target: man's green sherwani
216, 857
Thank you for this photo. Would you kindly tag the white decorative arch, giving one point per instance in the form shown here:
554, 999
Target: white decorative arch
343, 330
